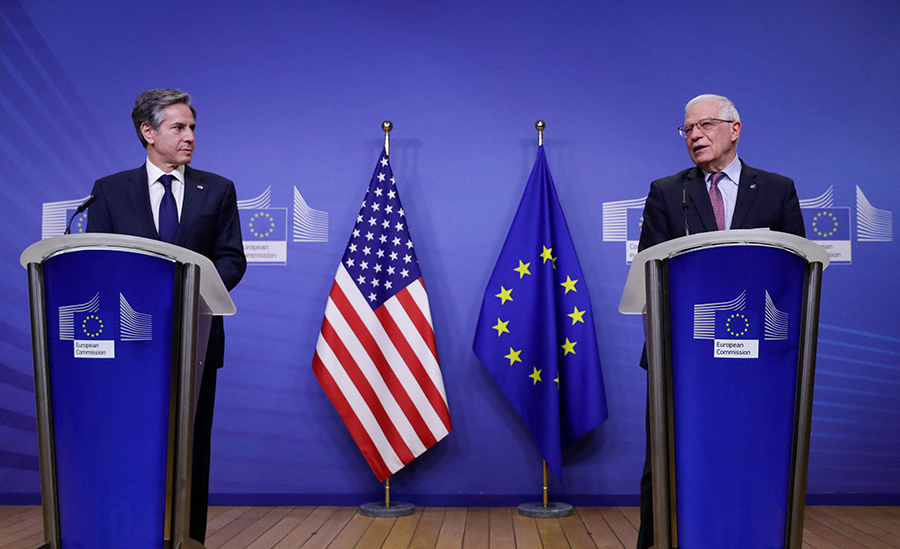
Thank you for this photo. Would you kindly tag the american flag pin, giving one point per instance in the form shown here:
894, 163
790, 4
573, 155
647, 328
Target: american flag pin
753, 186
201, 187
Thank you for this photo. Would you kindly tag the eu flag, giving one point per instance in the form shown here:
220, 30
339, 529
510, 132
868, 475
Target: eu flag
535, 333
827, 223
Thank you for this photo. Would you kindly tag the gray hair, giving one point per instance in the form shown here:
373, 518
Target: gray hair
149, 106
727, 110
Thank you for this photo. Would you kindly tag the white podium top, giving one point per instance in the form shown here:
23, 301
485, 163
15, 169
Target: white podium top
634, 298
212, 289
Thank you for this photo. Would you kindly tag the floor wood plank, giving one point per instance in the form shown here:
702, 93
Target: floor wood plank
404, 529
824, 531
342, 531
625, 532
552, 535
257, 528
427, 530
576, 532
453, 528
282, 528
527, 534
477, 528
844, 525
501, 528
377, 532
229, 515
598, 528
310, 526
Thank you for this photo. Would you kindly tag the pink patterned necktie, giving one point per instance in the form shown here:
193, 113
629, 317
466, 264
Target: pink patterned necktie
715, 196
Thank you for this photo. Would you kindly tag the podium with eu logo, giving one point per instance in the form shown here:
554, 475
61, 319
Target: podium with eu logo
731, 322
119, 331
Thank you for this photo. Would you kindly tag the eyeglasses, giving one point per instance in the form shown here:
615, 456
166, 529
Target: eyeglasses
703, 125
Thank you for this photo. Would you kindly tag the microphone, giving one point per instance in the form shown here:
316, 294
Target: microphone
684, 206
84, 205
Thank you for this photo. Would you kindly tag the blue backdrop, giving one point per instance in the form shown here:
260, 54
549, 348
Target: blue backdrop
290, 99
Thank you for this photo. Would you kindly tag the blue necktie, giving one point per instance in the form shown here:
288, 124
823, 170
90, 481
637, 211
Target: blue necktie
168, 211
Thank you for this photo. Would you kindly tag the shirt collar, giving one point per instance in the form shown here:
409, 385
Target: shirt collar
733, 171
154, 173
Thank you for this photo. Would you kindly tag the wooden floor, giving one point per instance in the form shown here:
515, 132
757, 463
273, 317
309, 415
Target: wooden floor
464, 528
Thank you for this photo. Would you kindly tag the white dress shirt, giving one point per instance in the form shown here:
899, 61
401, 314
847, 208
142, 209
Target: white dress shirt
157, 190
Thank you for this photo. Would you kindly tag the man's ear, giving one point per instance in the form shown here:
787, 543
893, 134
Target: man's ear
735, 130
148, 132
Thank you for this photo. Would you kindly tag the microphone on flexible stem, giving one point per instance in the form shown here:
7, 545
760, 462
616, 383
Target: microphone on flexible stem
84, 205
684, 206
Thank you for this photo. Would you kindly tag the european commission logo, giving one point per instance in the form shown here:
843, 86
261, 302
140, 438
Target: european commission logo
622, 221
829, 226
93, 333
55, 216
735, 329
264, 230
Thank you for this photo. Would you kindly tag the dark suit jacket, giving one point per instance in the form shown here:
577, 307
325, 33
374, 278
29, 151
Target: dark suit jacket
209, 225
764, 200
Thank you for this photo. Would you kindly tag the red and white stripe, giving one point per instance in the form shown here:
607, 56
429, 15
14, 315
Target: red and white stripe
380, 369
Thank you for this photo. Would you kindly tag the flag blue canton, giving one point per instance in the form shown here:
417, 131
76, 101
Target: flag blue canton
535, 333
380, 256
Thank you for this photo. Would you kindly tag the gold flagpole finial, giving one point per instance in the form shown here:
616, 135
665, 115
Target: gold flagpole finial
387, 127
539, 126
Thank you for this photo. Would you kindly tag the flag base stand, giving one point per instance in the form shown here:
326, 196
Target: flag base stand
387, 508
395, 509
552, 509
545, 508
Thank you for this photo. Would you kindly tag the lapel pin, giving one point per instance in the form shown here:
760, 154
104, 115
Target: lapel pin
753, 186
201, 187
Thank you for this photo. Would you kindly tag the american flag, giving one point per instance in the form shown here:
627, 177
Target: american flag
376, 357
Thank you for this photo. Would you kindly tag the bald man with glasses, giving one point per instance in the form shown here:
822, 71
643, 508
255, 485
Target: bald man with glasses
719, 193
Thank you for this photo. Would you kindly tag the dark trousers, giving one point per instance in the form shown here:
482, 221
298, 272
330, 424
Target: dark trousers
200, 470
645, 533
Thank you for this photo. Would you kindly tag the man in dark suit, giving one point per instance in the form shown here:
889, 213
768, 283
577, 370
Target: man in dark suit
719, 193
167, 200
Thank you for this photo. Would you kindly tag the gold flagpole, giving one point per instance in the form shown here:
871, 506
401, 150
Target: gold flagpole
545, 483
387, 492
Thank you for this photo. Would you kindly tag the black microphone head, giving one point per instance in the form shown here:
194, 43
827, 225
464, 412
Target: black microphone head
87, 203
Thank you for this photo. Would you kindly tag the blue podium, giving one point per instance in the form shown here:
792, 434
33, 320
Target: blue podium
731, 321
119, 331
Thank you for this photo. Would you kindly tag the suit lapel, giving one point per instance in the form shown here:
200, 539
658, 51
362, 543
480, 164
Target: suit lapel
139, 195
747, 191
696, 189
194, 197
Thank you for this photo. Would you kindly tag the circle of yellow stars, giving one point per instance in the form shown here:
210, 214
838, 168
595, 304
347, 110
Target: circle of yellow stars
262, 232
821, 231
505, 295
737, 331
99, 324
